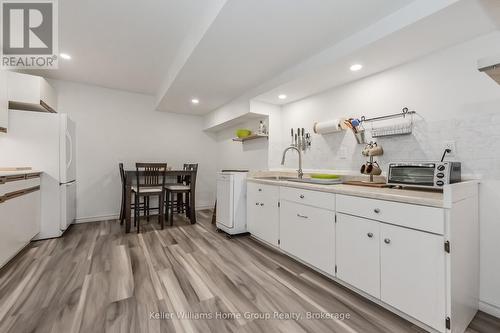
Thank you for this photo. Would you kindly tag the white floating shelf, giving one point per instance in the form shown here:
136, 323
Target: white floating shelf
251, 137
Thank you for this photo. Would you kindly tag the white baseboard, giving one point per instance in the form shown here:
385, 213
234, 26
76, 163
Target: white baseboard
97, 218
204, 207
116, 216
489, 309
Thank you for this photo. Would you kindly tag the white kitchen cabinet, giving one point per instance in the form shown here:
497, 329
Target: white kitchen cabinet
263, 212
413, 273
19, 215
4, 103
420, 261
31, 92
308, 233
358, 253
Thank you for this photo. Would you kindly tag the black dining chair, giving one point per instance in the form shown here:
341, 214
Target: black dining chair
124, 193
150, 182
122, 206
187, 180
178, 196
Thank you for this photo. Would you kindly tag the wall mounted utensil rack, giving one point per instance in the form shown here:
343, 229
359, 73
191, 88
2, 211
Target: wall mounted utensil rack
405, 112
396, 129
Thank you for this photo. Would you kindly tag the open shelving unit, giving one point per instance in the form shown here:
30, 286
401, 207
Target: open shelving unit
251, 137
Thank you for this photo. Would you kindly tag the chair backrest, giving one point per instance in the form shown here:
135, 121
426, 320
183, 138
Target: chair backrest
190, 167
122, 173
153, 174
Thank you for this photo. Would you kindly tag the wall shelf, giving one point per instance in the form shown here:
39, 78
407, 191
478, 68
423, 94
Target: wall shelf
251, 137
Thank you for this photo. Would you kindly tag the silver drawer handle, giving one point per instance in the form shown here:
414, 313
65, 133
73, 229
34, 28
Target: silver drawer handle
370, 234
376, 210
302, 216
301, 196
387, 241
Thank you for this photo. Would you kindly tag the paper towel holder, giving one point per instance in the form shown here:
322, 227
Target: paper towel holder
329, 126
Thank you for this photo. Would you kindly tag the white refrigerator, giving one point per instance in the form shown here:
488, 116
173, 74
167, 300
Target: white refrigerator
45, 142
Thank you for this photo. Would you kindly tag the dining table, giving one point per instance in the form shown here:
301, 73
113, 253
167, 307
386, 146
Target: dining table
131, 179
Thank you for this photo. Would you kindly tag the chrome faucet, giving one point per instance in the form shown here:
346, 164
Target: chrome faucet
300, 173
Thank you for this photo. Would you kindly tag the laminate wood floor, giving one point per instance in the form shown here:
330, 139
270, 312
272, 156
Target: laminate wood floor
98, 279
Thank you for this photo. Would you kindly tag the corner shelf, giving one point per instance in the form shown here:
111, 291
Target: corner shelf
251, 137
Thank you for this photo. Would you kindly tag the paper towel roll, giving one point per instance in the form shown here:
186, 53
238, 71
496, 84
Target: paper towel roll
329, 126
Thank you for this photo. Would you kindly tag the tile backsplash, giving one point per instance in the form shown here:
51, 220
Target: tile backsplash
476, 137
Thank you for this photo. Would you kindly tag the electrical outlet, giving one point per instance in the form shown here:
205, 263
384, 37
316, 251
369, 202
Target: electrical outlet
342, 153
452, 145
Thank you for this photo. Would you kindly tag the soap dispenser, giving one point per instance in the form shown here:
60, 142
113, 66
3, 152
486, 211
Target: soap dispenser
262, 128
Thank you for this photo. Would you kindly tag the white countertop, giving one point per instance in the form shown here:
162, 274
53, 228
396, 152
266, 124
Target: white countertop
418, 197
18, 172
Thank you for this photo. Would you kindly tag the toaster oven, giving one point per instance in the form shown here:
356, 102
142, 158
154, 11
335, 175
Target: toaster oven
424, 174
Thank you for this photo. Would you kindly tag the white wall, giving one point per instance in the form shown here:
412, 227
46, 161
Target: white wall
454, 102
115, 126
253, 154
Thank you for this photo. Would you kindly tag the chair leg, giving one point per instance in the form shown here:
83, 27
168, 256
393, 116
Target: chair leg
146, 200
171, 204
122, 208
179, 202
136, 213
160, 208
188, 201
136, 207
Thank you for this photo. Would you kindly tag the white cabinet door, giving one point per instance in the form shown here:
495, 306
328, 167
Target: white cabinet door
263, 212
31, 89
29, 216
413, 273
9, 244
19, 220
309, 234
4, 102
358, 253
24, 88
224, 213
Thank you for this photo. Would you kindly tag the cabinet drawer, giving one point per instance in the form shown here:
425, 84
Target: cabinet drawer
16, 185
261, 192
424, 218
308, 197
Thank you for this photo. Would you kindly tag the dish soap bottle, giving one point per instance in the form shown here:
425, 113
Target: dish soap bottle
262, 128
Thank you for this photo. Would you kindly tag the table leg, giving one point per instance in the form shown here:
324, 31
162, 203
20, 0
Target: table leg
192, 212
128, 200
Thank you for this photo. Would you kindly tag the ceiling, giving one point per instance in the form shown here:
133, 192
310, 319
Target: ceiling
123, 44
213, 50
252, 41
219, 50
461, 21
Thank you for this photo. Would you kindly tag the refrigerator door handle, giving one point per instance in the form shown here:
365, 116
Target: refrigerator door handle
68, 183
70, 139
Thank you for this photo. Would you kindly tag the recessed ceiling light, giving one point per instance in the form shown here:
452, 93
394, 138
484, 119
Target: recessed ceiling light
356, 67
282, 96
65, 56
195, 101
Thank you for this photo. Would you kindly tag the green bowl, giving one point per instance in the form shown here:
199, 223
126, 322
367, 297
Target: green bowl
324, 176
243, 133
